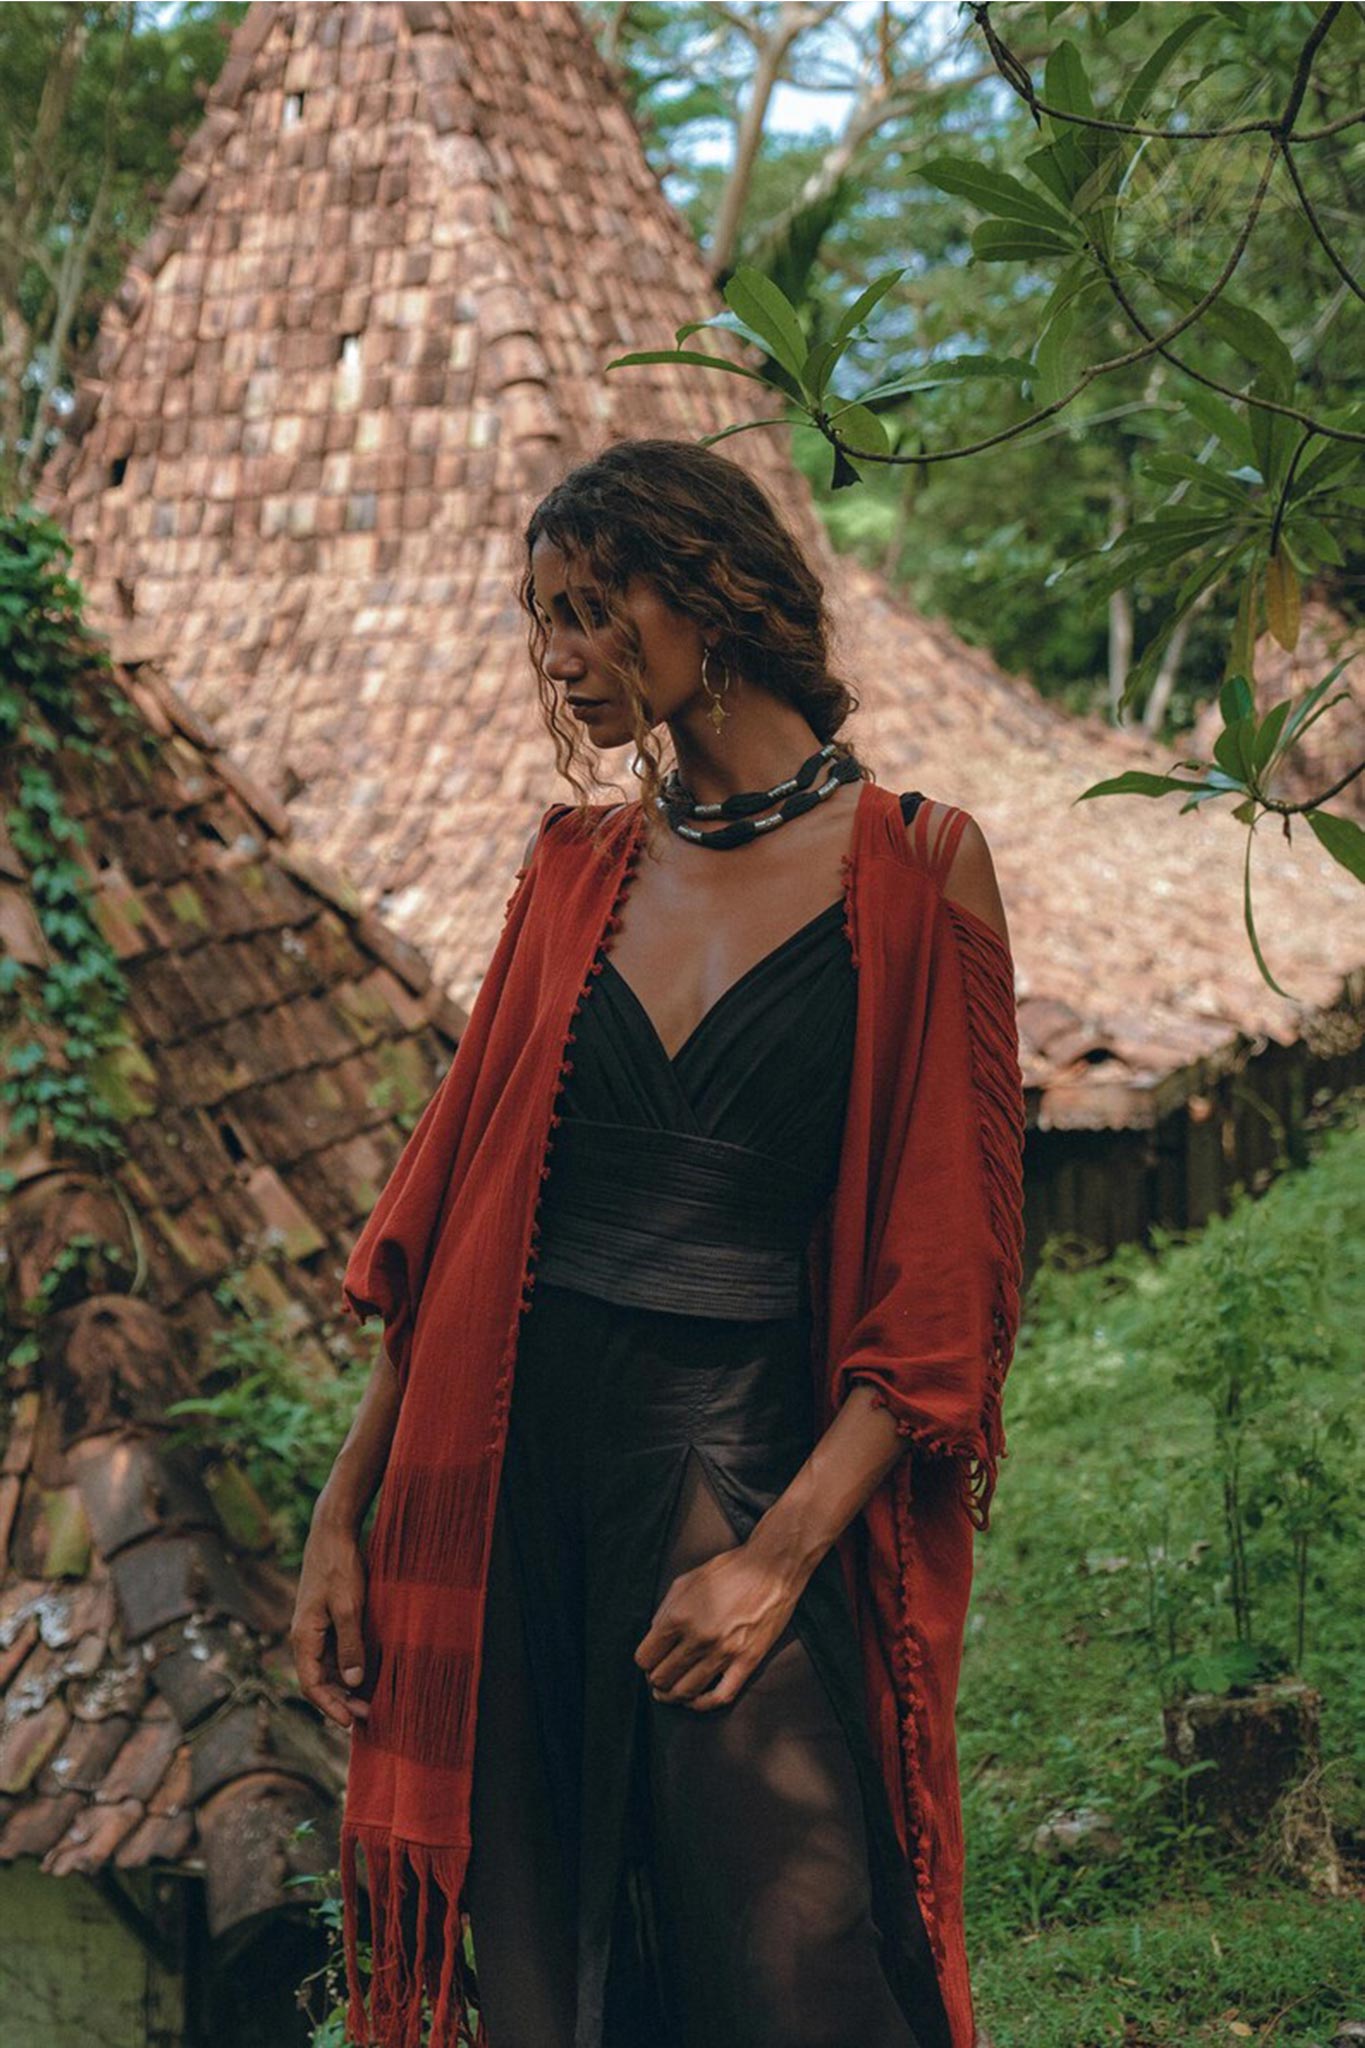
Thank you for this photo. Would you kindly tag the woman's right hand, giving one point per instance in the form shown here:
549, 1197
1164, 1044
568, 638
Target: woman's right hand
326, 1632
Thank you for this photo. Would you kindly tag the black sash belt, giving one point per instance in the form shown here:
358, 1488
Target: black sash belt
669, 1220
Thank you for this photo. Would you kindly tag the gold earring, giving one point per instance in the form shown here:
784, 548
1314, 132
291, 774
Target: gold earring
717, 713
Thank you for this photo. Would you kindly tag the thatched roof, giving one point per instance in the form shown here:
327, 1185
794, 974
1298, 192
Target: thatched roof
281, 1042
367, 333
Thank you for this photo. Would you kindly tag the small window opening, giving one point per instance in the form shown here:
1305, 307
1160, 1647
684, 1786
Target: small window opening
235, 1149
348, 351
118, 470
293, 110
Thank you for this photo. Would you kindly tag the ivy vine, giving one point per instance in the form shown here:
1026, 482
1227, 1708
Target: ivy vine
64, 1021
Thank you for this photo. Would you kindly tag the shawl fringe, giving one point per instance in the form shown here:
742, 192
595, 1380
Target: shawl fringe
997, 1090
997, 1085
409, 1978
909, 1664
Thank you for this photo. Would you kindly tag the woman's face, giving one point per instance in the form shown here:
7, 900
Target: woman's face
580, 657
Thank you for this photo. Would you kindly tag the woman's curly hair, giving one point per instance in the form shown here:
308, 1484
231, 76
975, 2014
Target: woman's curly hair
712, 544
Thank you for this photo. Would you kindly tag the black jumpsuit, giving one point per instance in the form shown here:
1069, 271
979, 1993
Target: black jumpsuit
644, 1873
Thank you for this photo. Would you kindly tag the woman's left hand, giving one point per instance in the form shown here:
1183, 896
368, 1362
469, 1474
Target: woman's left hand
716, 1623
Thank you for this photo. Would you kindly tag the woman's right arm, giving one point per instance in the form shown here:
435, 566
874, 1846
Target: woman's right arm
326, 1635
359, 1465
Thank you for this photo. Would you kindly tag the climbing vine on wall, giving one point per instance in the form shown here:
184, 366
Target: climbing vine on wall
61, 1022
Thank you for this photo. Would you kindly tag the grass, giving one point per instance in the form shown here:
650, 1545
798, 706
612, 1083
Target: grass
1106, 1560
1245, 1963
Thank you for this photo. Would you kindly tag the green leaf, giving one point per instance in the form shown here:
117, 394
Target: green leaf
1076, 284
997, 241
1268, 735
1136, 100
861, 429
1210, 570
1251, 924
763, 307
865, 303
818, 367
1169, 468
729, 322
995, 192
1136, 782
1242, 329
744, 427
1310, 533
698, 361
1049, 168
1342, 838
1132, 565
1236, 700
1053, 373
819, 364
1333, 459
1064, 80
1310, 705
1190, 520
1216, 416
1232, 749
952, 370
1272, 436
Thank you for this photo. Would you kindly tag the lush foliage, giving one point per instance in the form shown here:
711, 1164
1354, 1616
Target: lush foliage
1017, 232
96, 104
1113, 1579
1258, 509
274, 1418
63, 1022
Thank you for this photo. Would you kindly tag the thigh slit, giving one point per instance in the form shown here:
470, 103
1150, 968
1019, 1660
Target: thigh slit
764, 1895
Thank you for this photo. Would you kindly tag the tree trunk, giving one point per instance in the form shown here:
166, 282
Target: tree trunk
793, 18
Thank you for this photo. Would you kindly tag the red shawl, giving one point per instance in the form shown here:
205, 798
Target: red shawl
915, 1271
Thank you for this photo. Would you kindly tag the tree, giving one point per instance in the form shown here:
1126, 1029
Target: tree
1278, 467
95, 105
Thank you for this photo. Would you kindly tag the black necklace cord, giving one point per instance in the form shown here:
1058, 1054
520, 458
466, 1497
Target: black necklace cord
743, 803
742, 829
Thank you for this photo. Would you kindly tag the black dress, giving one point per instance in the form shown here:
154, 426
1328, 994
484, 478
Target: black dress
644, 1873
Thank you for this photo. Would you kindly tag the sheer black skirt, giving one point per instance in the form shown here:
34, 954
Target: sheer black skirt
641, 1872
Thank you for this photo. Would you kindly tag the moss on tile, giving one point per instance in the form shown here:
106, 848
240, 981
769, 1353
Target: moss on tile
127, 1082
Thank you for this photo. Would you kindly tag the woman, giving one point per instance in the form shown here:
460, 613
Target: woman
696, 1751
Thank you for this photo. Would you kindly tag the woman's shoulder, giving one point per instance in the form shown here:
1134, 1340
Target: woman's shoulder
595, 814
934, 831
947, 844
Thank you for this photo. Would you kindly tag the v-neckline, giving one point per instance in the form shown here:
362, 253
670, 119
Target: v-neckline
847, 869
674, 1059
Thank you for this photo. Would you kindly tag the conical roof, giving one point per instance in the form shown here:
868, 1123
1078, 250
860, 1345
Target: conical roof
279, 1045
367, 333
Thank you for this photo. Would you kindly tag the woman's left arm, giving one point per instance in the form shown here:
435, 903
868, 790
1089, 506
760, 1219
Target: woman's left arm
719, 1620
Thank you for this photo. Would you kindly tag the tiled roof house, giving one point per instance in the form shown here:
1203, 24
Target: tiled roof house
367, 333
155, 1755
